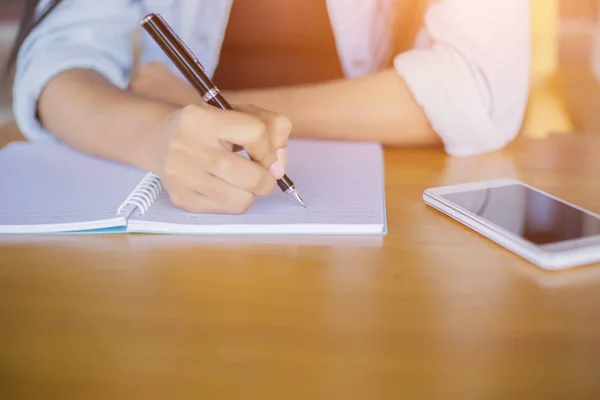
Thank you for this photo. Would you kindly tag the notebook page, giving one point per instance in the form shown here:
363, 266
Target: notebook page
48, 187
341, 183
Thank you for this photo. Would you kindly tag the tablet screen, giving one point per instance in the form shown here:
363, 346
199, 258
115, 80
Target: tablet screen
530, 214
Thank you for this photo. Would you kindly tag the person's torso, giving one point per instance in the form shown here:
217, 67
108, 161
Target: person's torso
272, 43
233, 39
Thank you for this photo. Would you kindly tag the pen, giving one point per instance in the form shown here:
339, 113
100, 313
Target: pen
194, 72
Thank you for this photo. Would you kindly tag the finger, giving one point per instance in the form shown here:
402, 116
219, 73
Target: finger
279, 128
240, 129
243, 173
194, 202
251, 133
218, 189
231, 168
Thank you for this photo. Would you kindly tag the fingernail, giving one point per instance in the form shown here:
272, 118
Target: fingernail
282, 156
277, 169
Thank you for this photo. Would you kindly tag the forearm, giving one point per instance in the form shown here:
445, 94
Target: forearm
82, 109
378, 107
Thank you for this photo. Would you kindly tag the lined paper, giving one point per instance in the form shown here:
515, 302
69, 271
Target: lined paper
341, 183
48, 187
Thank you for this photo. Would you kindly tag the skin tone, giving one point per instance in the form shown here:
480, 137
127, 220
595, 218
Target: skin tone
161, 125
378, 107
189, 147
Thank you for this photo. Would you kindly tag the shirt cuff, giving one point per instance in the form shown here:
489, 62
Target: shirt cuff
32, 77
454, 99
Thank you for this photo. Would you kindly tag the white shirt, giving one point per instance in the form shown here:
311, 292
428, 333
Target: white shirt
469, 68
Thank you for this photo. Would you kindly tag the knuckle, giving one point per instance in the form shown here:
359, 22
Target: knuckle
223, 166
263, 183
283, 124
242, 203
180, 197
223, 195
283, 130
257, 130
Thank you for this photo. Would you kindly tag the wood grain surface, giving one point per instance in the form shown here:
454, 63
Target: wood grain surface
432, 310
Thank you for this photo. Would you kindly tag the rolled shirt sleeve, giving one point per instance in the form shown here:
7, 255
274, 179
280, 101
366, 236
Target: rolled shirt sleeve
472, 77
87, 34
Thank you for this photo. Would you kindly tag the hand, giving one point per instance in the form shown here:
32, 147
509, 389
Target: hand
200, 171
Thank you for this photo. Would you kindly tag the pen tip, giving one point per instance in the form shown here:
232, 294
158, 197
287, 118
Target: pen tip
298, 199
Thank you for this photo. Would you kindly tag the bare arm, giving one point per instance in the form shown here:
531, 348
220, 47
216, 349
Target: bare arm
378, 107
69, 85
466, 89
185, 146
81, 108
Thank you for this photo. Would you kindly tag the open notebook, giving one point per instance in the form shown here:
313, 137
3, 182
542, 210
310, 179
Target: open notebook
50, 188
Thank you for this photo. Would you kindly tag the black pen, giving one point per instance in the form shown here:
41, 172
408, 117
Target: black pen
195, 73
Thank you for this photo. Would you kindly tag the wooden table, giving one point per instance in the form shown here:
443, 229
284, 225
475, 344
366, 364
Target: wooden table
433, 310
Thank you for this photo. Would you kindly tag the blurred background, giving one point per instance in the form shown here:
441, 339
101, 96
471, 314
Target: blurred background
565, 93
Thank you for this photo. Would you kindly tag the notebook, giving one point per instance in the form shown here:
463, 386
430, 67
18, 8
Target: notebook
51, 188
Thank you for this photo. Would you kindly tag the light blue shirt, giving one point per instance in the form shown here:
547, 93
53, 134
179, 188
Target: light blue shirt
469, 68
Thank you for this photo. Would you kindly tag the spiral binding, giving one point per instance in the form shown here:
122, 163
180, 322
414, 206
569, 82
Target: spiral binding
145, 193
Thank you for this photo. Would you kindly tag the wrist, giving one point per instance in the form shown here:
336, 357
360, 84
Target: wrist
152, 138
